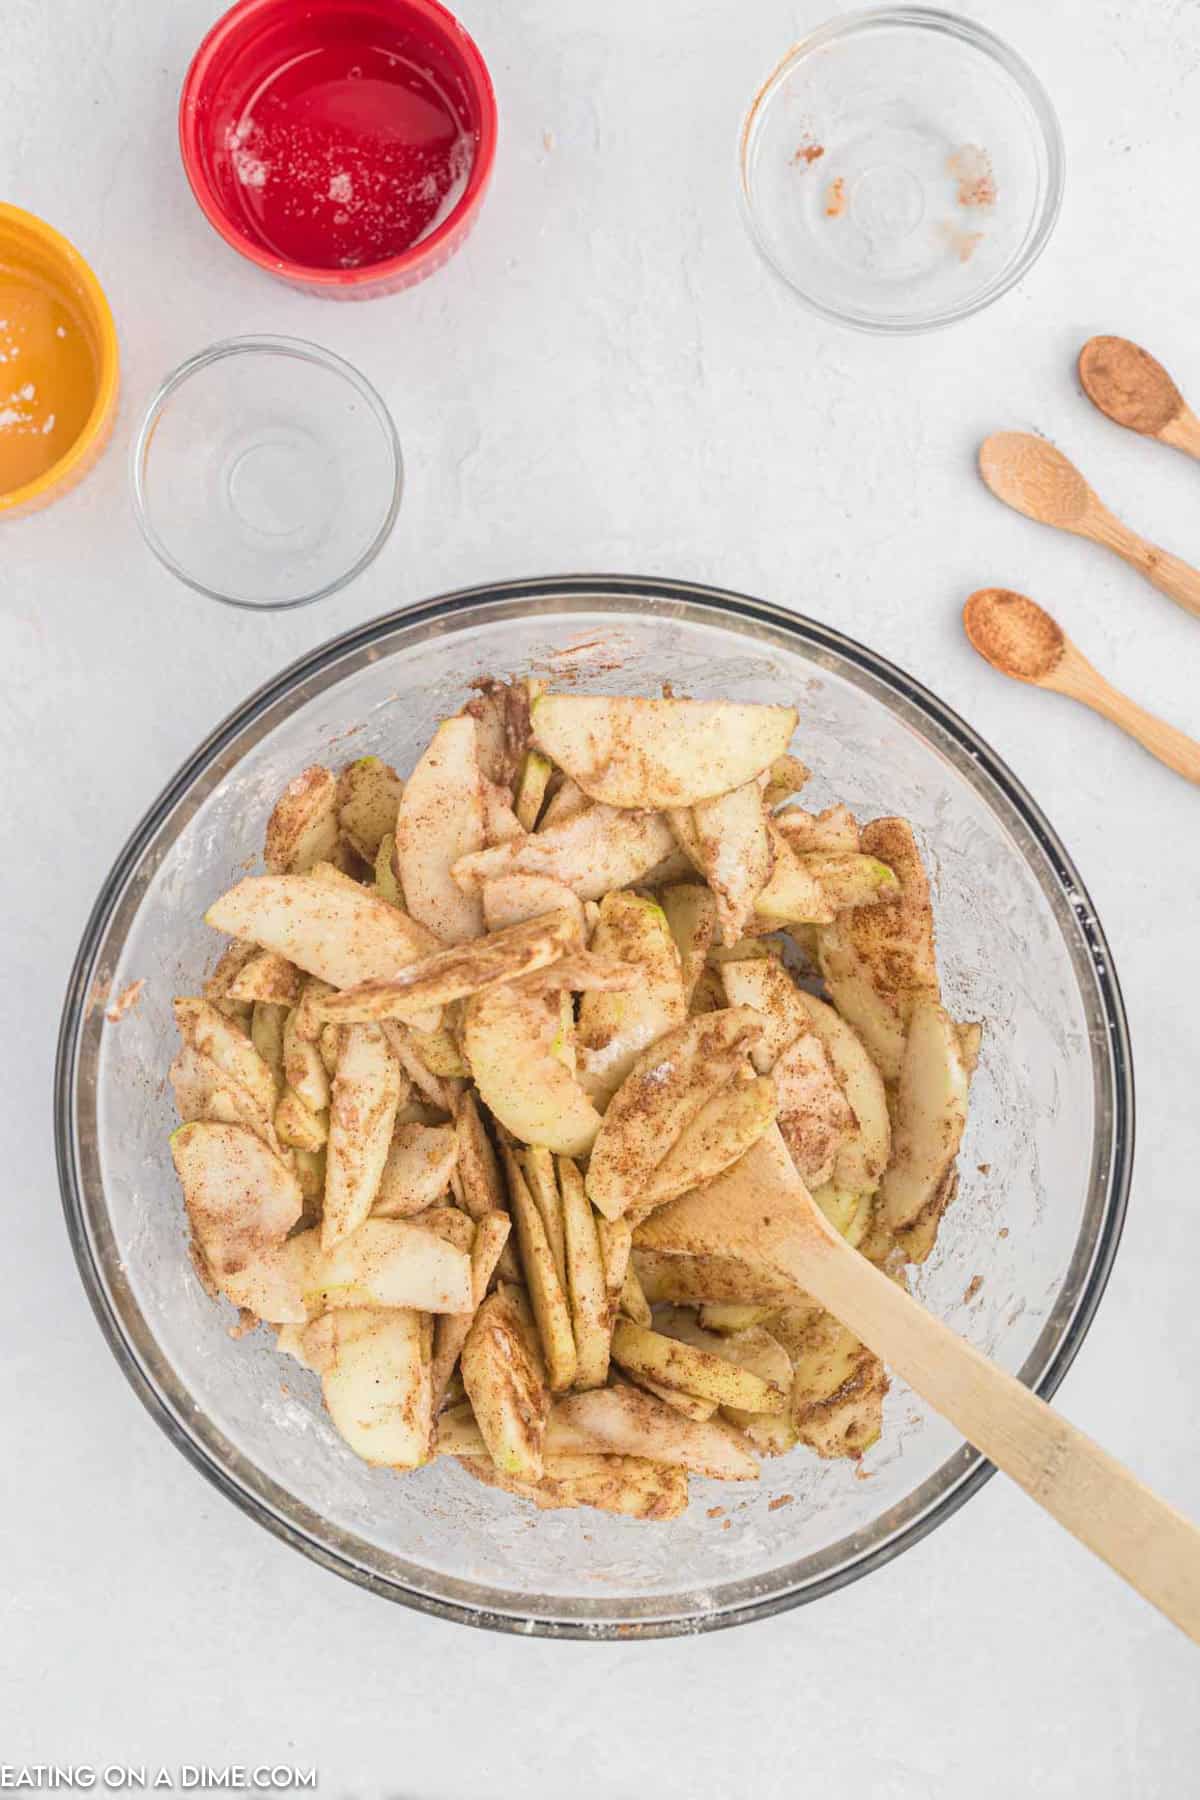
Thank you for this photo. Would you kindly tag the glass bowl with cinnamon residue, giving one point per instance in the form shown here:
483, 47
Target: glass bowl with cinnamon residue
1023, 1253
901, 169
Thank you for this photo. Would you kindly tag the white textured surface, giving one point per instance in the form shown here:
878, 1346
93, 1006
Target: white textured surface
606, 378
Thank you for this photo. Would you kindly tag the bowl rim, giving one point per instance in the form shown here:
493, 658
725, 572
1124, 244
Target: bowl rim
966, 31
263, 344
426, 252
616, 593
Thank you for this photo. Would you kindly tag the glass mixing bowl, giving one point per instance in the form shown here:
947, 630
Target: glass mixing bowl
1023, 1254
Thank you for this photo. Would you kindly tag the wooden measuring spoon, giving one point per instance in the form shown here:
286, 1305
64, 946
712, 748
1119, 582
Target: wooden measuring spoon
762, 1211
1017, 637
1032, 476
1130, 387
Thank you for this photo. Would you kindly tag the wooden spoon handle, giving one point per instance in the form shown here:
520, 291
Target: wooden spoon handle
1169, 574
1183, 433
1154, 1548
1172, 747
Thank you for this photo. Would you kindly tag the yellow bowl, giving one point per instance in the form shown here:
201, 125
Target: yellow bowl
59, 364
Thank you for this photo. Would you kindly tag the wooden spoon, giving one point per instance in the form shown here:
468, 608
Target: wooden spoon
1131, 388
767, 1215
1017, 637
1032, 476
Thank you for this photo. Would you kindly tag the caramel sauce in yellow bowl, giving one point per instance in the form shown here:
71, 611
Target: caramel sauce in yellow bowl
58, 364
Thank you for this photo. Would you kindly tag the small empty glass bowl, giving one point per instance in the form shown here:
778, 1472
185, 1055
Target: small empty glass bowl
901, 168
267, 472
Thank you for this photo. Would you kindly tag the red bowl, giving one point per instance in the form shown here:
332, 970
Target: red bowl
342, 145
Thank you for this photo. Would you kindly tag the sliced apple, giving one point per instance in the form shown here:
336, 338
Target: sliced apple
439, 1050
692, 916
512, 899
614, 1028
335, 874
763, 983
792, 895
683, 826
730, 1316
203, 1090
878, 959
835, 829
537, 1165
848, 878
687, 1404
633, 1302
862, 1158
214, 1036
303, 828
241, 1200
566, 801
532, 782
721, 1132
500, 823
362, 1115
868, 1011
387, 881
338, 932
813, 1113
546, 1293
661, 1095
266, 1034
736, 854
404, 1043
310, 1173
633, 1487
676, 866
451, 1330
627, 1422
515, 1042
708, 995
274, 1284
653, 753
500, 710
297, 1127
393, 1262
970, 1043
838, 1384
368, 798
931, 1114
230, 964
464, 969
786, 776
592, 853
772, 1433
582, 972
587, 1290
416, 1170
692, 1371
749, 1348
304, 1067
375, 1382
483, 1188
265, 976
441, 820
850, 1213
616, 1245
505, 1379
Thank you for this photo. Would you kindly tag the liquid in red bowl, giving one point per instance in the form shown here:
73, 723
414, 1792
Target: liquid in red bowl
343, 145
